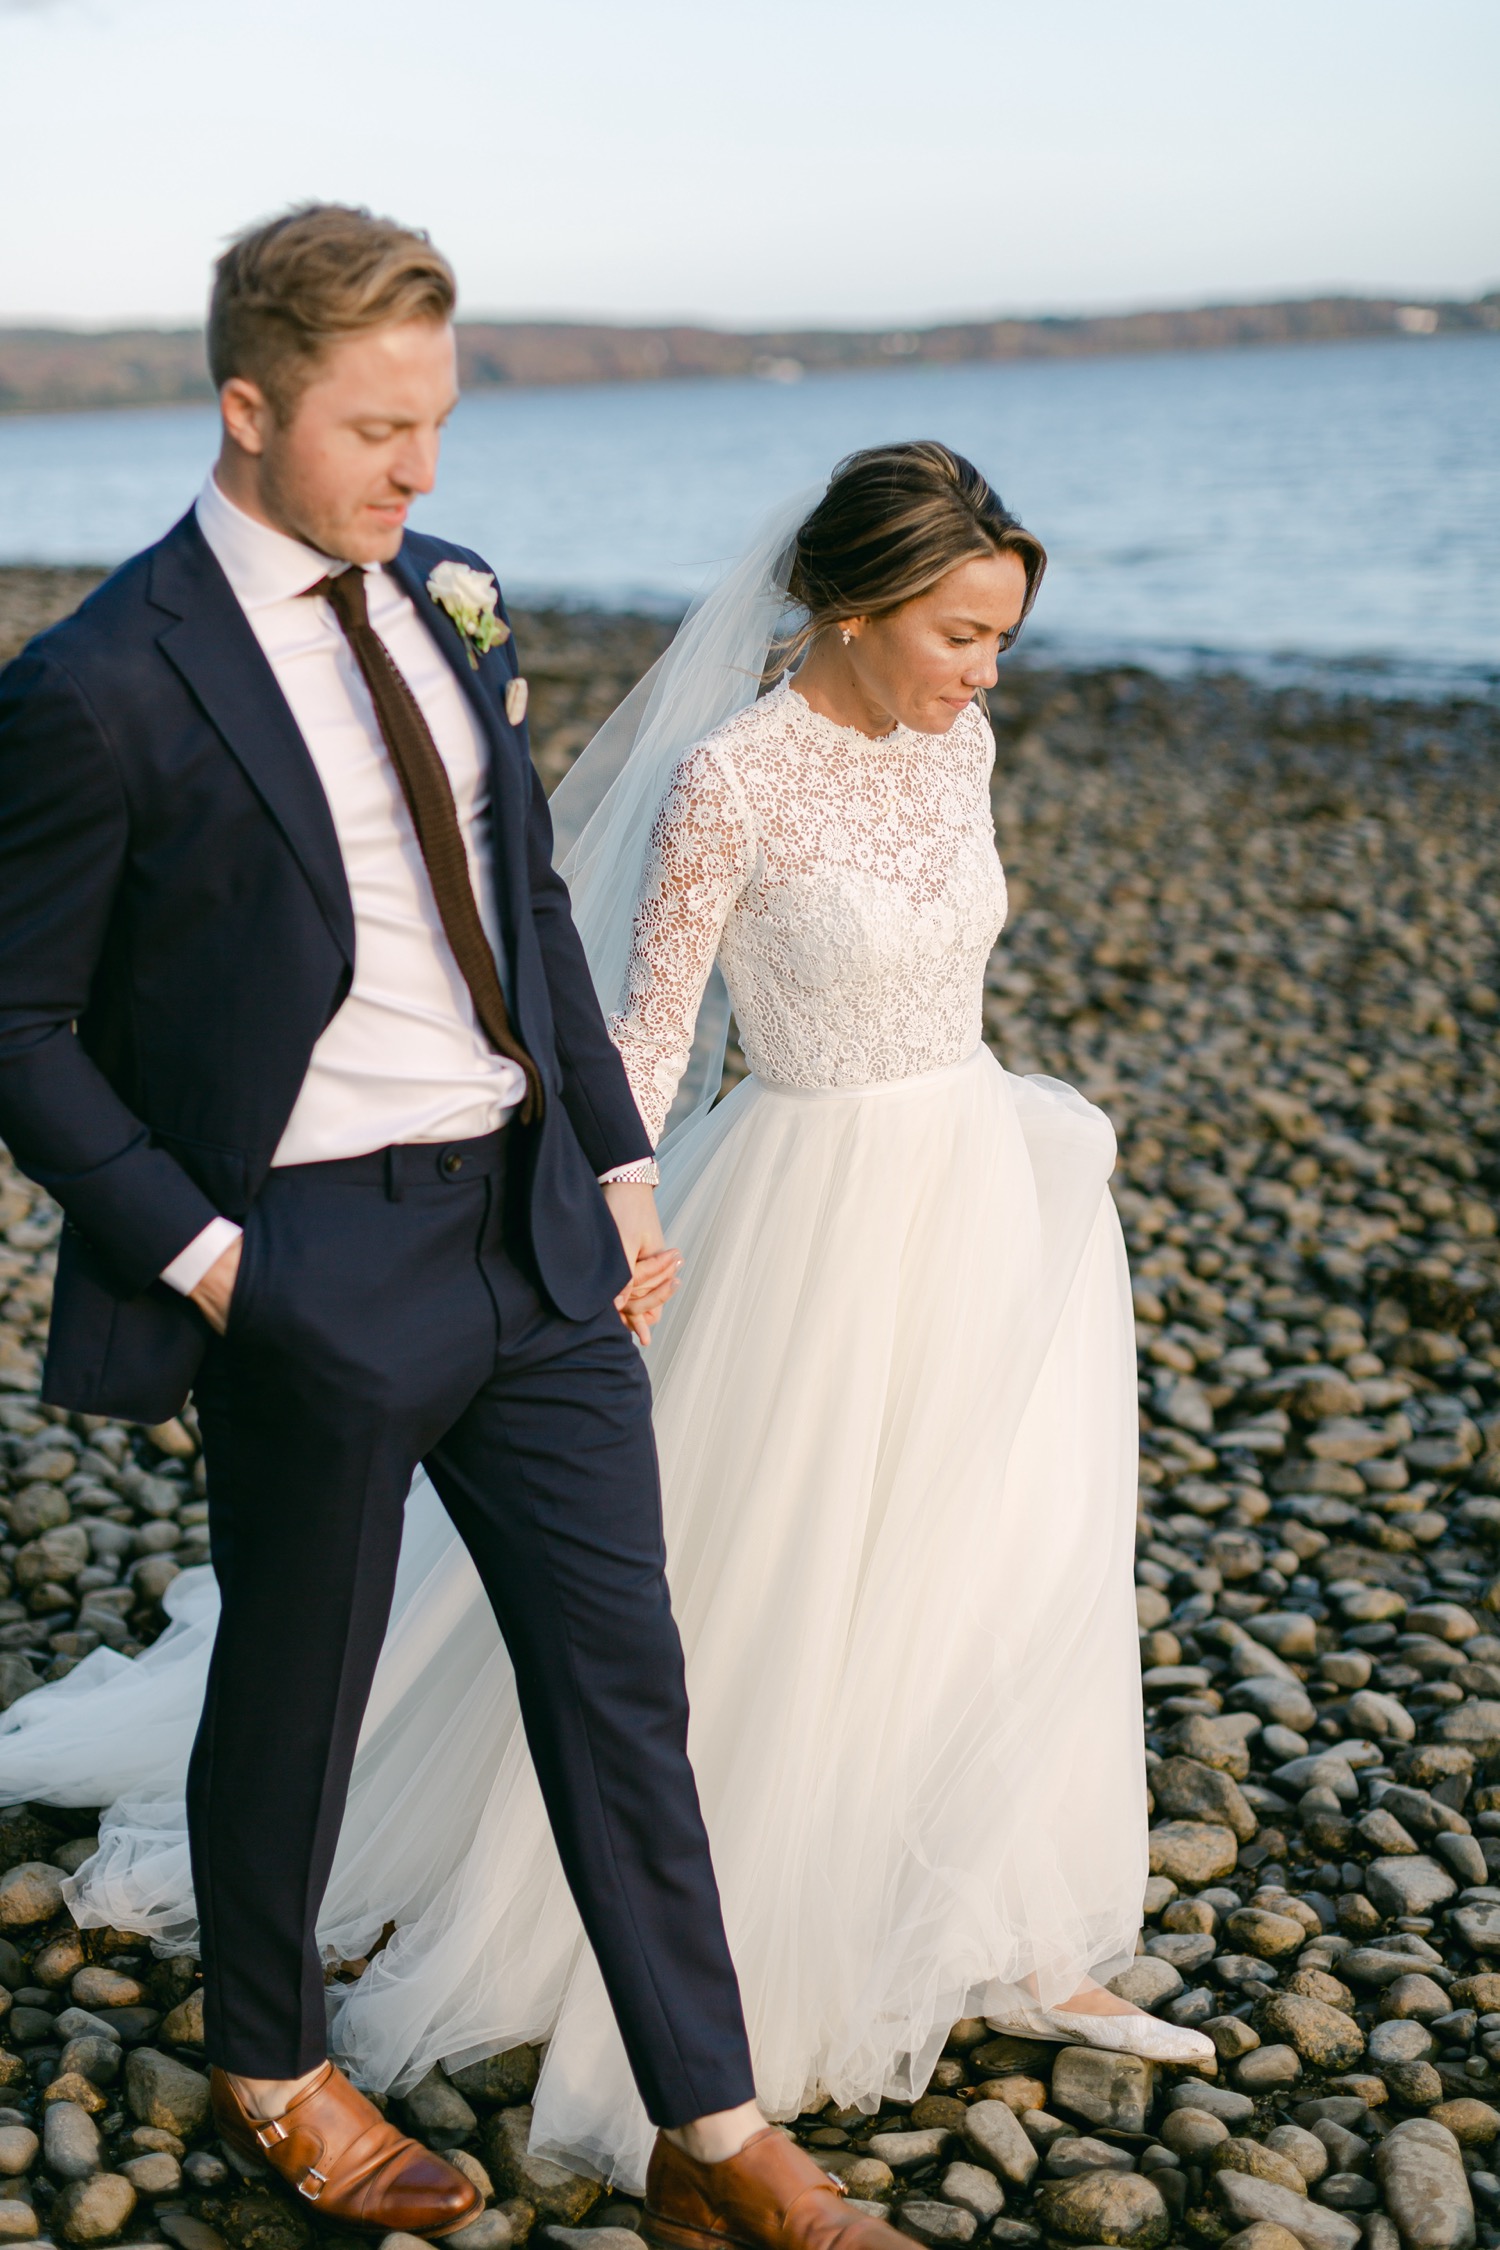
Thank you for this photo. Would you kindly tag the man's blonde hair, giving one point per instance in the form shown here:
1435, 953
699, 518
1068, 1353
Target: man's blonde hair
285, 291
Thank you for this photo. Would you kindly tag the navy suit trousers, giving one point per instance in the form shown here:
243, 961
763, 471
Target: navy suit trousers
385, 1315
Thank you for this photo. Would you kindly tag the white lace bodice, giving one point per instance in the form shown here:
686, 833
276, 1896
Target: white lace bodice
848, 887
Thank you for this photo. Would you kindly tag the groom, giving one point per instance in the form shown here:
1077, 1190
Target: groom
295, 1025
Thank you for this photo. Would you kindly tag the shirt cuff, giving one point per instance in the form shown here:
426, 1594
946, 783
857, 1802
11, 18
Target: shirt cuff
643, 1173
190, 1265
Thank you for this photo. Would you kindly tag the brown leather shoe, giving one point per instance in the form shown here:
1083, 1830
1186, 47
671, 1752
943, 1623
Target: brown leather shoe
772, 2196
338, 2152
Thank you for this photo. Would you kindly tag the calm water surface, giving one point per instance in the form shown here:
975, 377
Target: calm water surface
1304, 509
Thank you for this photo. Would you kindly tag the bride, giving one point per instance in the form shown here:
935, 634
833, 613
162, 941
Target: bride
895, 1401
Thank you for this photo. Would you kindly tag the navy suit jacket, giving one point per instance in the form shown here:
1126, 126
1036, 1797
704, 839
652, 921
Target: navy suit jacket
176, 932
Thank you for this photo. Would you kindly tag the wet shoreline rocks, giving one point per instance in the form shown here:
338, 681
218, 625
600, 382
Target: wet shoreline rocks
1262, 930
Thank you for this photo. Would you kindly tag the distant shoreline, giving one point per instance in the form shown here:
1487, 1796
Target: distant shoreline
54, 370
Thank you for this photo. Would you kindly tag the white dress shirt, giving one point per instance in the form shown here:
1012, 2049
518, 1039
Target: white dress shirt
404, 1059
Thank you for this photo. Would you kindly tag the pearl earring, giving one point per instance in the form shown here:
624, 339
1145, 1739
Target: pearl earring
847, 636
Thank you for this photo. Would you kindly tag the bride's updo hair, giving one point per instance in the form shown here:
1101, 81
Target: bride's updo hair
894, 520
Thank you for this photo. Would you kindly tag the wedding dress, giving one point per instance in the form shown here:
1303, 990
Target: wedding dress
896, 1408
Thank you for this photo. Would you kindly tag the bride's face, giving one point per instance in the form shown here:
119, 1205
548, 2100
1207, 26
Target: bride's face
925, 662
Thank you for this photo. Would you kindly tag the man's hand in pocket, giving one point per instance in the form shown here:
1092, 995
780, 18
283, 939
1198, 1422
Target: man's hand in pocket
213, 1293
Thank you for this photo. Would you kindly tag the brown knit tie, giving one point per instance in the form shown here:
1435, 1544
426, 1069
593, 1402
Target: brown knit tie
429, 796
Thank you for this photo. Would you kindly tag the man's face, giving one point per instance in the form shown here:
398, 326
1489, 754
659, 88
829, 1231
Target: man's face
361, 442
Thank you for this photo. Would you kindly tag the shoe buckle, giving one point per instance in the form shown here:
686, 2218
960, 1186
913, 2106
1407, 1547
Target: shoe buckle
840, 2186
270, 2132
312, 2193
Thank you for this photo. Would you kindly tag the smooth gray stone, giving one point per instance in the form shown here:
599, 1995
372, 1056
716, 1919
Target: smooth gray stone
1220, 2101
905, 2151
1148, 1982
926, 2220
82, 2023
974, 2189
1247, 2199
435, 2105
1408, 1885
994, 2134
71, 2144
492, 2231
1420, 2167
1348, 2191
1105, 2089
566, 2238
1400, 2039
1079, 2152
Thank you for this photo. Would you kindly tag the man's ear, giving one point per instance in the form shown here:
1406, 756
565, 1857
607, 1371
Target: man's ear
246, 413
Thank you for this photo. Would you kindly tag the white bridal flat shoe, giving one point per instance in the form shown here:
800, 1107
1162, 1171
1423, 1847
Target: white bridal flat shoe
1146, 2036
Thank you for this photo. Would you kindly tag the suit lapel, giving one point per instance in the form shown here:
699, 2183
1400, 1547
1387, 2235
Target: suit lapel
209, 643
508, 785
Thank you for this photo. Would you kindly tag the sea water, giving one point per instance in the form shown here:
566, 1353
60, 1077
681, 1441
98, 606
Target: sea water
1325, 509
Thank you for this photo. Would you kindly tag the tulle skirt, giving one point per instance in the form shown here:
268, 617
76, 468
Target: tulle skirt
896, 1407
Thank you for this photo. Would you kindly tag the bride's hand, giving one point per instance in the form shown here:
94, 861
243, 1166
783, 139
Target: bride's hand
653, 1267
653, 1282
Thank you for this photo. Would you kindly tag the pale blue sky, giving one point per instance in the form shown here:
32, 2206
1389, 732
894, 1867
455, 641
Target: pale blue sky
799, 160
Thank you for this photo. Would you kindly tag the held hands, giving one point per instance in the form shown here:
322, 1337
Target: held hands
214, 1291
654, 1269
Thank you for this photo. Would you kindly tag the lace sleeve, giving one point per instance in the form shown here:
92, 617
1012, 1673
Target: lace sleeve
697, 862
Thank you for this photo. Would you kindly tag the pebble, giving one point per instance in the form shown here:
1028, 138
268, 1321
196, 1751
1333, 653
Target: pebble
162, 2091
154, 2173
904, 2152
926, 2220
436, 2107
1402, 2039
1264, 2234
18, 2147
1420, 2167
29, 1894
1306, 2150
974, 2189
504, 2079
192, 2234
182, 2026
93, 2210
1291, 1017
553, 2192
1106, 2089
1192, 2133
1246, 2199
1103, 2207
72, 2147
1408, 1886
994, 2134
1322, 2035
1266, 2068
18, 2221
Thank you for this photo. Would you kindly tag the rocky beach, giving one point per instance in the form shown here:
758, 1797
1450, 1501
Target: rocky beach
1262, 929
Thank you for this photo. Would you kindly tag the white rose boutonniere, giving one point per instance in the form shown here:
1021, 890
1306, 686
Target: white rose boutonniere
470, 598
